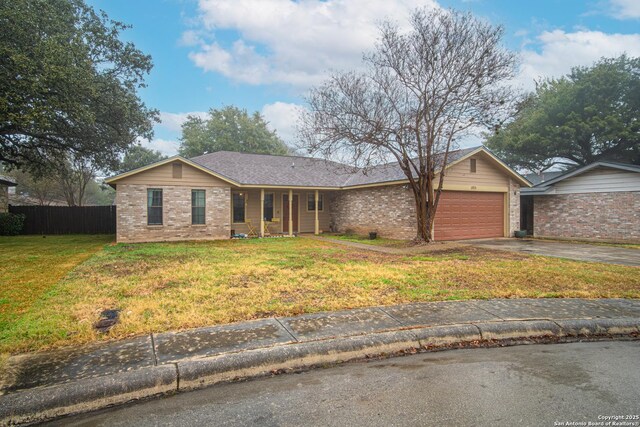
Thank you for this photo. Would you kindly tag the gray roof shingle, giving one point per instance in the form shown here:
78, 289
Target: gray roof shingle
392, 172
264, 169
536, 179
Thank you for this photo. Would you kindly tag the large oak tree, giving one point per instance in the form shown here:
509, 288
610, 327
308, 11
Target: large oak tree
229, 129
591, 114
138, 156
68, 86
420, 92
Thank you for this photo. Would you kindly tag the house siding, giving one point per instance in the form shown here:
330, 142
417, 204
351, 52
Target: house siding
387, 210
460, 177
306, 219
514, 207
4, 198
604, 216
131, 219
600, 180
163, 175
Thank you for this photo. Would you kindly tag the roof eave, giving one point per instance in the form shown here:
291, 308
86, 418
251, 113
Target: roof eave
522, 180
112, 181
537, 191
587, 168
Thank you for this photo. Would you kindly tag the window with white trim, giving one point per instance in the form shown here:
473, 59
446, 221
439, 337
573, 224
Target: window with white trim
154, 206
311, 202
238, 207
198, 207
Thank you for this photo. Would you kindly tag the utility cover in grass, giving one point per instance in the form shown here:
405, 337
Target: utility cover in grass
108, 318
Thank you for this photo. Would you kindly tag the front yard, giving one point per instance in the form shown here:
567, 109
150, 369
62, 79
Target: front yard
45, 302
379, 241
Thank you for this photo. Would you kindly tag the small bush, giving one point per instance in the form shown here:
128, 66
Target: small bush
11, 224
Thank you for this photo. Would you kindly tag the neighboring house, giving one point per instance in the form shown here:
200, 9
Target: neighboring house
526, 202
26, 200
219, 194
5, 183
600, 201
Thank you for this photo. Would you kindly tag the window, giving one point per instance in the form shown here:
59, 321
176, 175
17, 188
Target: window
177, 170
268, 206
473, 165
197, 206
154, 206
311, 202
238, 207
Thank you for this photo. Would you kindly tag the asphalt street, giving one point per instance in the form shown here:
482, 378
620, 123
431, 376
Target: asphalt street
530, 385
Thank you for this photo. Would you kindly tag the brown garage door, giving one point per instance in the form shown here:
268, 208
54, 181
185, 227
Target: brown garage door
469, 215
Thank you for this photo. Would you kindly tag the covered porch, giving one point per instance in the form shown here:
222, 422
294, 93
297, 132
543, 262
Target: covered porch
266, 212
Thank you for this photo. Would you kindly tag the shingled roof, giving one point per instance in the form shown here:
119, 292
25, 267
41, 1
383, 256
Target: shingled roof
245, 169
391, 172
265, 169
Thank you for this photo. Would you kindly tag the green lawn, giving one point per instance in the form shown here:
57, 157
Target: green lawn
32, 265
168, 286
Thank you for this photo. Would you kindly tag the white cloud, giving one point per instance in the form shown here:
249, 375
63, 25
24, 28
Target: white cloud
190, 38
297, 43
165, 146
283, 117
625, 9
558, 51
174, 121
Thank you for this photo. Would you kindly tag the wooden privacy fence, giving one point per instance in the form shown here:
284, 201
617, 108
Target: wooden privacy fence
67, 219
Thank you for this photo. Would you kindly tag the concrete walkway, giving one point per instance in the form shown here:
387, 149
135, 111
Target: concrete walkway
575, 251
43, 385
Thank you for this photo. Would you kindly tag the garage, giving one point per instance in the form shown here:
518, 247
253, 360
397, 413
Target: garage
469, 215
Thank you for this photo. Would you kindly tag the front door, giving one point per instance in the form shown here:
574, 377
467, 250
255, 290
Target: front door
285, 213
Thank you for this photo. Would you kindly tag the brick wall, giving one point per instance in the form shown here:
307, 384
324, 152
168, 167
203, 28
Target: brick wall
514, 207
607, 216
388, 210
4, 198
131, 200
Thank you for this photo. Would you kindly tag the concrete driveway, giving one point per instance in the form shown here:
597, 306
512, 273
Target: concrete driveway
575, 251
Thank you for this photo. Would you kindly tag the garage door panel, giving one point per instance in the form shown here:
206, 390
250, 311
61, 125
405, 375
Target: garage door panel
469, 215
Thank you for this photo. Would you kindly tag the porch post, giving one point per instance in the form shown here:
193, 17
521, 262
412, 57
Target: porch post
317, 221
290, 212
261, 232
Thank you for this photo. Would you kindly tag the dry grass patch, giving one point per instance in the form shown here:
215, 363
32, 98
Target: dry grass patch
379, 241
169, 286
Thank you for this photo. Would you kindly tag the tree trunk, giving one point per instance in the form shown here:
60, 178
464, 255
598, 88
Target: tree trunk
424, 226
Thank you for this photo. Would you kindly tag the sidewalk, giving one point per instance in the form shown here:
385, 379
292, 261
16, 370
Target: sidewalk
44, 385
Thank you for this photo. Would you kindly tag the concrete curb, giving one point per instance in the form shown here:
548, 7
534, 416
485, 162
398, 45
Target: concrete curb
519, 329
587, 328
88, 394
203, 372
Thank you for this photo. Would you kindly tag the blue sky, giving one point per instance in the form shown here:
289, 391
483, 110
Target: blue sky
263, 55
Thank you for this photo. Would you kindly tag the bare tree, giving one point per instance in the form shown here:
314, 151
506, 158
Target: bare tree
43, 190
74, 175
419, 93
